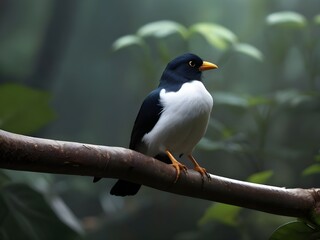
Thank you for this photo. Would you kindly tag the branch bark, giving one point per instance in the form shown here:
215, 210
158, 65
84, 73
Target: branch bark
18, 152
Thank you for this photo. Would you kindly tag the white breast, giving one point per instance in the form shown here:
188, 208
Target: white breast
183, 121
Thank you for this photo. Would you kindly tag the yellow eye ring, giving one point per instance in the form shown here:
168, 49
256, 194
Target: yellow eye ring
192, 64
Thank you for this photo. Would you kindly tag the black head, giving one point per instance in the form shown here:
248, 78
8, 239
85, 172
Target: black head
185, 68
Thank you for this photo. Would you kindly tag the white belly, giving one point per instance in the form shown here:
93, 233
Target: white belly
183, 121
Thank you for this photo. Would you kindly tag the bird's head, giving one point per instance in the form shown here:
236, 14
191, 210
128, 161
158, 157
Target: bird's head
185, 68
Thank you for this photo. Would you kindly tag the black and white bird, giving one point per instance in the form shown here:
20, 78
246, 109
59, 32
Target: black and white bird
173, 118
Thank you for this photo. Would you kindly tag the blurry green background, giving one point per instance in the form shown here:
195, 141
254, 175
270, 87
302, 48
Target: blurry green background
67, 73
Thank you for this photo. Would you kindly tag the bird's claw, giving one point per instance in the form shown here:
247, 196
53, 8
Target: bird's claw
203, 172
178, 166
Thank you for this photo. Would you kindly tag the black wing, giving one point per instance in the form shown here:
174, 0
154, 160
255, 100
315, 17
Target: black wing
147, 118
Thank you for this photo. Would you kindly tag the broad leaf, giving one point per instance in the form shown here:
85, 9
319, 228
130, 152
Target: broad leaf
223, 213
64, 213
228, 214
258, 101
236, 100
161, 29
26, 215
126, 41
317, 19
287, 19
249, 50
22, 109
216, 35
312, 169
260, 177
295, 230
315, 218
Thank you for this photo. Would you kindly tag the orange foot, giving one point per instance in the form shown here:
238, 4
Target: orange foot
199, 169
177, 165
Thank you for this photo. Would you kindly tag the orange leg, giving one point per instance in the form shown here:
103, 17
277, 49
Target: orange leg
178, 166
199, 169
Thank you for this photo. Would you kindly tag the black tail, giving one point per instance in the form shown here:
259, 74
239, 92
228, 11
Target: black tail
96, 179
124, 188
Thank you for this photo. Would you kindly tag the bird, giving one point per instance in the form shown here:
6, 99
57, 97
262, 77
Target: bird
172, 119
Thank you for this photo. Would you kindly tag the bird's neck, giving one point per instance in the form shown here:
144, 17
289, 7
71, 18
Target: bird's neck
171, 81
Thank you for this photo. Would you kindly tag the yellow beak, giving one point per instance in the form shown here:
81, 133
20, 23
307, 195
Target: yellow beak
207, 66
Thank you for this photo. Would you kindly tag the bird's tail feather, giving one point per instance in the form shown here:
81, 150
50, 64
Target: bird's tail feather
96, 179
124, 188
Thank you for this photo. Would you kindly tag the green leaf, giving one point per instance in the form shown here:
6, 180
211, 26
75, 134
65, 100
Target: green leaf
26, 215
249, 50
207, 144
291, 97
316, 19
228, 98
64, 213
312, 169
22, 109
216, 35
315, 219
235, 100
228, 214
286, 19
254, 101
295, 230
162, 29
126, 41
260, 177
223, 213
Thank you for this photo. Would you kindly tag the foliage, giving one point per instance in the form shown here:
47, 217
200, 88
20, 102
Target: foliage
287, 19
296, 230
265, 117
313, 168
216, 36
228, 214
25, 214
263, 110
23, 110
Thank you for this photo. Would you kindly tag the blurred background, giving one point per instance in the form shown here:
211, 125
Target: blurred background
79, 70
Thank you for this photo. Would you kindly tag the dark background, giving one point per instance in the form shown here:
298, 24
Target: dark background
265, 118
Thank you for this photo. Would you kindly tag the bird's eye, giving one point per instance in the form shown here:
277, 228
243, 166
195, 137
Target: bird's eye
192, 64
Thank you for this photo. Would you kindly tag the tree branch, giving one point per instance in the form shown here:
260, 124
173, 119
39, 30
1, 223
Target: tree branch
18, 152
